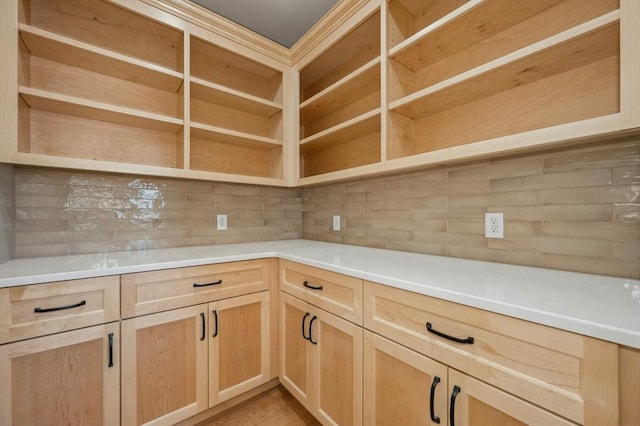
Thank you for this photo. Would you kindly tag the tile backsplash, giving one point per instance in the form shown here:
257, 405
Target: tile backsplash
68, 212
574, 209
7, 212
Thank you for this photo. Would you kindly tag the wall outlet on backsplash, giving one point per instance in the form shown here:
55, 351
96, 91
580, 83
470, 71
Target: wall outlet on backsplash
221, 222
493, 225
336, 223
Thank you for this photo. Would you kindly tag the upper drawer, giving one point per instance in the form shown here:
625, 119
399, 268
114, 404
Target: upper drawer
336, 293
566, 373
39, 309
148, 292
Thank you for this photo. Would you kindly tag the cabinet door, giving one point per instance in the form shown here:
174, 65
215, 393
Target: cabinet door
239, 341
72, 378
337, 369
295, 350
472, 402
164, 366
403, 386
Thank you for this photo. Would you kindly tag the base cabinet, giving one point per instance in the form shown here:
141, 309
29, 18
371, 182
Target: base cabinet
181, 362
72, 378
321, 361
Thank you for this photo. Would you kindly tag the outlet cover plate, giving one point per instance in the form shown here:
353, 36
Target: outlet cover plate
494, 225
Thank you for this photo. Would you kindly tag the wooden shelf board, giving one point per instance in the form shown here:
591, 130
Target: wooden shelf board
230, 98
359, 83
82, 55
573, 48
138, 169
353, 129
464, 27
205, 131
68, 105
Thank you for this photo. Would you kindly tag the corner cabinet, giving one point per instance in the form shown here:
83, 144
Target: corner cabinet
465, 79
122, 86
60, 353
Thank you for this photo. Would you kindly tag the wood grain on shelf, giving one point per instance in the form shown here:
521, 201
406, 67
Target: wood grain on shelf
348, 155
222, 67
573, 48
82, 55
219, 115
348, 112
69, 105
356, 85
111, 27
578, 94
407, 17
250, 160
205, 131
215, 93
357, 48
544, 25
64, 79
468, 25
60, 136
352, 129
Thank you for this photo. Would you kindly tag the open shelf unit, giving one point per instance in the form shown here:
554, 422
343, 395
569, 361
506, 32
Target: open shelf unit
116, 87
236, 113
340, 102
497, 68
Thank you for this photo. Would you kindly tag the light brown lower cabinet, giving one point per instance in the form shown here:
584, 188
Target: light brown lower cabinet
180, 362
404, 387
321, 361
70, 378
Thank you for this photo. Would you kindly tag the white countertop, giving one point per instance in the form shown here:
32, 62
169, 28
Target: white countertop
598, 306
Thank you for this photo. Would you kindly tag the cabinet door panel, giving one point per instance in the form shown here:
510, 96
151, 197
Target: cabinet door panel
239, 339
62, 379
295, 351
398, 385
480, 404
164, 366
337, 369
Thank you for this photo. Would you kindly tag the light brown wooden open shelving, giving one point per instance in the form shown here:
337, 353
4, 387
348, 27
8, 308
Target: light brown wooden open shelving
165, 88
340, 94
570, 76
236, 113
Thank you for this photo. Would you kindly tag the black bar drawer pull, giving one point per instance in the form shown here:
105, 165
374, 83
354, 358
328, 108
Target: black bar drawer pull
434, 384
452, 405
207, 284
204, 335
304, 320
215, 318
467, 340
311, 328
312, 287
110, 350
59, 308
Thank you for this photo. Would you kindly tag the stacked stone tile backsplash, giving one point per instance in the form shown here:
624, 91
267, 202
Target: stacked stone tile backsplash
68, 212
574, 209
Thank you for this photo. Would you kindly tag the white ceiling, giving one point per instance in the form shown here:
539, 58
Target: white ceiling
283, 21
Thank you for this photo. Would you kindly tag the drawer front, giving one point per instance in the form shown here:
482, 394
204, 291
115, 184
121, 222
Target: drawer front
156, 291
41, 309
336, 293
566, 373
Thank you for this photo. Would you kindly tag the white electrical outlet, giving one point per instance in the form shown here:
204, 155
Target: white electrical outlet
493, 225
221, 222
336, 223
